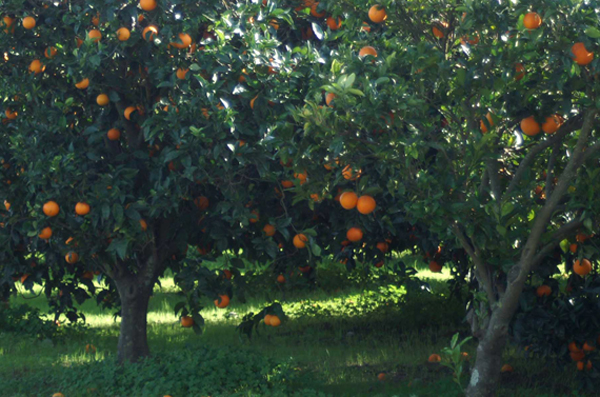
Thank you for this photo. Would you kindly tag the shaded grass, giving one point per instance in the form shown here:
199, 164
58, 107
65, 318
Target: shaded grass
337, 339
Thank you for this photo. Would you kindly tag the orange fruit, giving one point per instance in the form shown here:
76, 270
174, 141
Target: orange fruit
254, 216
51, 208
46, 233
582, 267
581, 55
573, 348
577, 356
227, 274
383, 246
267, 319
532, 21
300, 241
588, 348
434, 358
128, 111
365, 204
72, 257
506, 368
530, 127
588, 366
202, 202
543, 290
113, 134
287, 184
29, 23
95, 35
435, 267
328, 98
102, 100
7, 205
381, 377
334, 23
377, 14
186, 41
187, 321
581, 237
82, 208
365, 27
281, 279
580, 365
8, 22
551, 125
354, 234
367, 50
379, 264
181, 73
301, 176
275, 321
50, 52
349, 174
315, 13
58, 395
269, 230
573, 248
348, 200
438, 29
520, 71
36, 66
90, 349
83, 84
148, 5
123, 34
223, 302
143, 225
150, 32
482, 125
252, 102
10, 114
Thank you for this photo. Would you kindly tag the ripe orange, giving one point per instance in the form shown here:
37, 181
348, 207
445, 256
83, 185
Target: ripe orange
150, 32
434, 358
348, 200
50, 52
148, 5
482, 125
102, 100
95, 35
287, 184
223, 303
532, 21
51, 208
438, 29
186, 41
281, 279
87, 275
577, 356
36, 67
581, 55
530, 127
381, 377
113, 134
377, 14
269, 230
300, 241
7, 205
354, 234
275, 321
435, 267
543, 290
181, 73
90, 349
506, 368
334, 23
123, 34
582, 267
8, 22
367, 50
588, 366
72, 257
58, 395
46, 233
128, 111
187, 321
588, 348
580, 365
349, 173
29, 23
573, 248
202, 202
301, 176
365, 27
143, 225
365, 204
328, 98
267, 319
573, 348
82, 208
315, 13
252, 102
383, 246
551, 125
520, 71
83, 84
10, 114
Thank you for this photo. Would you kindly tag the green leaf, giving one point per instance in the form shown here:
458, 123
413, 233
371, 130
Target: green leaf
592, 32
119, 246
105, 211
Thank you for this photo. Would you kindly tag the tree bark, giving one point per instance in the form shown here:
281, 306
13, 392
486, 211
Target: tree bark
133, 342
485, 375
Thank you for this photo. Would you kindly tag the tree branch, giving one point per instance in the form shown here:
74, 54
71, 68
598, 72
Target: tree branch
555, 238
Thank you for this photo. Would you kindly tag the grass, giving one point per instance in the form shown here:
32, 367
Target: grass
336, 341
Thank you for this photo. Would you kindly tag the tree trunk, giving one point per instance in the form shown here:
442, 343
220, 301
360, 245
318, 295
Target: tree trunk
133, 342
485, 375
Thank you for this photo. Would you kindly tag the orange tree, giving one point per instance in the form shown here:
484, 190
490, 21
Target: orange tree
137, 129
478, 118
